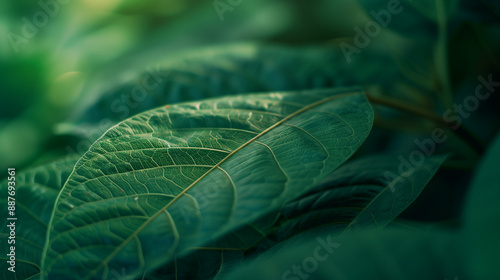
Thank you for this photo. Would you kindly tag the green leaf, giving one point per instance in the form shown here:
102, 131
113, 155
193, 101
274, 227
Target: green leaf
212, 72
203, 264
410, 18
392, 254
219, 71
482, 217
215, 258
36, 193
366, 192
226, 70
231, 159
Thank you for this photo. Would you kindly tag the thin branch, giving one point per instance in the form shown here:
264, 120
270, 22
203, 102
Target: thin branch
460, 131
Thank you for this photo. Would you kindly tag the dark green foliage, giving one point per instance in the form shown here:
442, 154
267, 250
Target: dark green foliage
250, 139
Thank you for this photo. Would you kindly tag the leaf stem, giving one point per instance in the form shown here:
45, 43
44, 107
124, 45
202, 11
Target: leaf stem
462, 133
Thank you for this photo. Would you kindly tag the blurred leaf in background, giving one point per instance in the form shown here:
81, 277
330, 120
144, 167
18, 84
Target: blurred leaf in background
69, 70
57, 58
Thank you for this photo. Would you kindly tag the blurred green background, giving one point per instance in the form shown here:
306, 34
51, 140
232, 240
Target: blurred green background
57, 58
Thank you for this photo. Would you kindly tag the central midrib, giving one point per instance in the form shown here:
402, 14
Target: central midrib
294, 114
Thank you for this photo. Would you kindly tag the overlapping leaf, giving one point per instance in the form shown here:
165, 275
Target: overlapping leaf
233, 69
36, 193
213, 72
230, 160
216, 72
367, 192
416, 18
204, 263
482, 218
391, 254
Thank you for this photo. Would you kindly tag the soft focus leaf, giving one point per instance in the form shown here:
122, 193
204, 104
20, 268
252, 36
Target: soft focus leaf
226, 70
482, 217
392, 254
219, 71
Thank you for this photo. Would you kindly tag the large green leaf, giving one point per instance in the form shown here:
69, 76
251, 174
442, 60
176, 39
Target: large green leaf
36, 193
367, 192
392, 254
232, 160
482, 217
